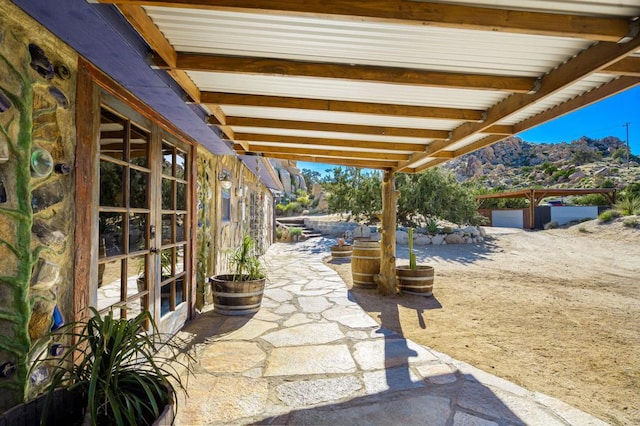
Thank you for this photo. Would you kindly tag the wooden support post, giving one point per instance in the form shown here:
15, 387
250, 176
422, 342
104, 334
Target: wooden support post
532, 210
386, 280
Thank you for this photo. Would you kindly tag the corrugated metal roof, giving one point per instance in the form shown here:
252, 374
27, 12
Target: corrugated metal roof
349, 41
345, 90
279, 44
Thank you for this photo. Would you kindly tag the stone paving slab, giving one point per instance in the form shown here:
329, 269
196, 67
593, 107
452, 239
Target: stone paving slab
312, 356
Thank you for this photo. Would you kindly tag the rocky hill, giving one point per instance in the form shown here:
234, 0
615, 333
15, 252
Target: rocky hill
583, 163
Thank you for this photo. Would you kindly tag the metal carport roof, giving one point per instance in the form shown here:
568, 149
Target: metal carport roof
396, 85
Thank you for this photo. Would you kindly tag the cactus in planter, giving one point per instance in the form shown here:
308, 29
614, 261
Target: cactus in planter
412, 255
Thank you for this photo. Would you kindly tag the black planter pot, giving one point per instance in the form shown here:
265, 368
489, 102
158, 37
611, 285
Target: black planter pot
66, 409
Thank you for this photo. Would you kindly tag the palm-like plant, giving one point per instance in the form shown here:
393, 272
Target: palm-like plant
245, 263
629, 205
114, 365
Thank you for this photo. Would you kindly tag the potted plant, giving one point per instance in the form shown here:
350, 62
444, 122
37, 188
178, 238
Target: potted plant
341, 250
240, 292
295, 233
114, 368
413, 278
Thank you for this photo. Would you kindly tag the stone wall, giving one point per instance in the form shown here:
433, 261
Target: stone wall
37, 134
251, 211
466, 235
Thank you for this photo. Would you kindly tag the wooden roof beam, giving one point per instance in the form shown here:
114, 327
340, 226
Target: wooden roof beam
362, 155
424, 13
336, 127
349, 162
340, 143
629, 66
416, 77
218, 98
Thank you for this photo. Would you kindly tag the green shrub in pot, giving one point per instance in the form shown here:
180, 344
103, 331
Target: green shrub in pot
116, 367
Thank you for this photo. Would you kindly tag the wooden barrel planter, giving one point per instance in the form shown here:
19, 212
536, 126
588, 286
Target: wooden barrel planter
341, 252
236, 297
365, 263
418, 281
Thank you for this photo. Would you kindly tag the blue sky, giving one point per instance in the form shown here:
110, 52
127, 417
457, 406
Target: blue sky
604, 118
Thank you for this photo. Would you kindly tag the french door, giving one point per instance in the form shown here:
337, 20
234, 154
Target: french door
143, 218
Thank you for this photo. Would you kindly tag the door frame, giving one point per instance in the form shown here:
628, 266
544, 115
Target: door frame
91, 84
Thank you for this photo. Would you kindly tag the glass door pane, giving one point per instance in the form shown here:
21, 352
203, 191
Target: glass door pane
174, 234
124, 216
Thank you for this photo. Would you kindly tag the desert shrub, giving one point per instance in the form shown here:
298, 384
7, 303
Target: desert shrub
293, 208
590, 200
295, 231
632, 189
608, 183
629, 205
608, 215
582, 229
631, 222
303, 200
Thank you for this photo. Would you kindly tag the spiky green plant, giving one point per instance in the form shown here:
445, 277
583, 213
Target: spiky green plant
114, 365
629, 205
245, 263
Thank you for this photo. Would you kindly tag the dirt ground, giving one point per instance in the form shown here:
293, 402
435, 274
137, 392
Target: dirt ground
554, 311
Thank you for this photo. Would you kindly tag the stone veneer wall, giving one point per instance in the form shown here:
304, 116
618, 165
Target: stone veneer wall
37, 87
216, 237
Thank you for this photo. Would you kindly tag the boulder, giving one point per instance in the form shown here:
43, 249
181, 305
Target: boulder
362, 231
471, 230
421, 240
454, 239
577, 175
437, 239
402, 237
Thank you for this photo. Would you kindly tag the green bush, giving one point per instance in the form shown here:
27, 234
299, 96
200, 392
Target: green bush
608, 215
303, 200
629, 205
293, 208
631, 222
295, 231
590, 200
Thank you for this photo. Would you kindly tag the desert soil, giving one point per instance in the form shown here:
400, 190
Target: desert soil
554, 311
